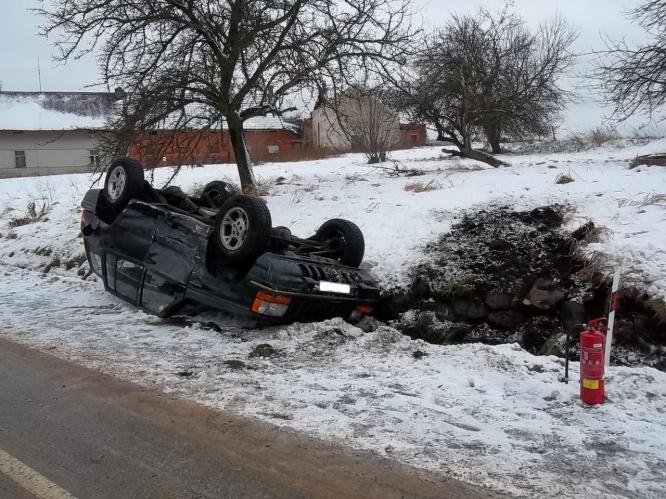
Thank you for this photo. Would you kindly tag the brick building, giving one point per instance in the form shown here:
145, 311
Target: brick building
268, 139
412, 135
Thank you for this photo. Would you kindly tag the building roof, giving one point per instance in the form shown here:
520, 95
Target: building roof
29, 111
55, 110
198, 117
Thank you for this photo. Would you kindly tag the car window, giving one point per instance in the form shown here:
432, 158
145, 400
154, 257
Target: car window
158, 293
96, 263
128, 277
110, 271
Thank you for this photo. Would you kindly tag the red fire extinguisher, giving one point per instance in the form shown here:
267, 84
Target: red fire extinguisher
592, 342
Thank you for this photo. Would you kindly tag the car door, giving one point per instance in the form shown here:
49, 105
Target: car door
131, 234
178, 243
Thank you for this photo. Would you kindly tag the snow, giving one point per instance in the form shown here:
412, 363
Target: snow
29, 113
490, 415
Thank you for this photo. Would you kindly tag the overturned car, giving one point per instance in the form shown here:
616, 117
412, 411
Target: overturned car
161, 249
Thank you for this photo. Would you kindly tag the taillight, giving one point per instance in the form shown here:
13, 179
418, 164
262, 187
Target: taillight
365, 309
358, 313
270, 304
86, 227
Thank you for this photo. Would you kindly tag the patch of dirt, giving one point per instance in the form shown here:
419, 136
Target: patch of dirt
505, 276
234, 364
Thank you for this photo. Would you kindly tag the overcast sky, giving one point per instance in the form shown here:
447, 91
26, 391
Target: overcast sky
21, 46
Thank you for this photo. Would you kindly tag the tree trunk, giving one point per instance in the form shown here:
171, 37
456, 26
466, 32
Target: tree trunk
477, 155
493, 136
242, 154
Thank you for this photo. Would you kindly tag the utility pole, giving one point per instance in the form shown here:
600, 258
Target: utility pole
39, 75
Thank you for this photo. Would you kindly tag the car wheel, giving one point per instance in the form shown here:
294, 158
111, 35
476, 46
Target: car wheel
124, 181
345, 240
242, 229
216, 193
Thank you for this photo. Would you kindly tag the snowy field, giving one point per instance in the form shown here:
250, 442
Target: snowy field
494, 416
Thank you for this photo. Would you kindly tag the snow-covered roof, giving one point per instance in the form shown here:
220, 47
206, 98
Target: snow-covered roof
55, 110
85, 111
265, 123
198, 117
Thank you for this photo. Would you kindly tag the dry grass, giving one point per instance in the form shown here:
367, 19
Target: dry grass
648, 200
417, 187
34, 212
600, 135
298, 194
352, 178
564, 178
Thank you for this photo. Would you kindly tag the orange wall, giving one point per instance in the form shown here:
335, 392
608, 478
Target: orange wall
172, 148
413, 135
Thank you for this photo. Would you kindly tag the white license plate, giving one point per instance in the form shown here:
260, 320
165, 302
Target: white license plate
334, 287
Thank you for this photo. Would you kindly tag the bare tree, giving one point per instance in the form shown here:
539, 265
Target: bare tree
486, 74
633, 78
197, 63
361, 118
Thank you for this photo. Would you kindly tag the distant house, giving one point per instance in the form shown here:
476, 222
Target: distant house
48, 133
359, 117
268, 139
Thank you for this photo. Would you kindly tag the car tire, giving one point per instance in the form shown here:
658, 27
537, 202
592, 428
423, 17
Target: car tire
345, 239
242, 230
216, 193
124, 181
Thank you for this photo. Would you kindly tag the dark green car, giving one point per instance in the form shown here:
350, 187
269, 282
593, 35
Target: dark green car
161, 249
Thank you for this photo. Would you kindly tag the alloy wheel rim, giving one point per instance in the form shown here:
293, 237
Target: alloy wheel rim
235, 228
117, 181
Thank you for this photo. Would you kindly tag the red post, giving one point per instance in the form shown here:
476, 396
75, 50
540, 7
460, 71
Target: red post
592, 342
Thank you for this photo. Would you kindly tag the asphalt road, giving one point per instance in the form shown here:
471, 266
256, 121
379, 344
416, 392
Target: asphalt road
66, 431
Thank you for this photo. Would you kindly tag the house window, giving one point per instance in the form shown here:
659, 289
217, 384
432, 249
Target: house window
94, 158
19, 159
273, 149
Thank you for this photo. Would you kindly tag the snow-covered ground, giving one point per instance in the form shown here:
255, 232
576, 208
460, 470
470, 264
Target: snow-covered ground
494, 416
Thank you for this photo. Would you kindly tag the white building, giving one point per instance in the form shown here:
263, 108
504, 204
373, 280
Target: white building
356, 117
49, 133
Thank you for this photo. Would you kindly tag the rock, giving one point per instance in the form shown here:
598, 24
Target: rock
572, 315
264, 350
424, 325
538, 331
470, 309
483, 333
583, 231
367, 324
457, 332
420, 288
555, 345
445, 312
545, 294
499, 301
505, 318
547, 216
